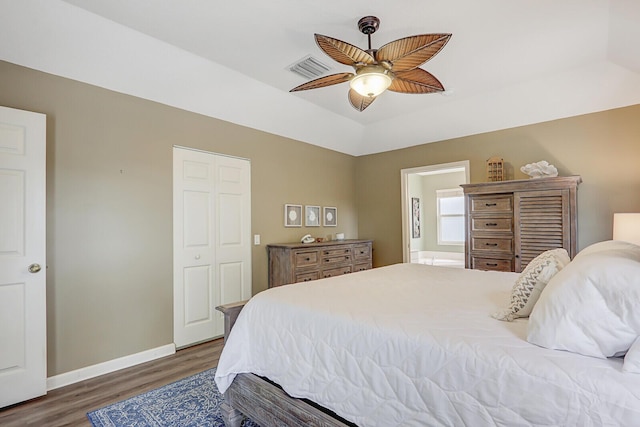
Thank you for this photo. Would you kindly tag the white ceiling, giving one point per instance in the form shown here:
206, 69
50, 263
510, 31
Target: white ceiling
509, 63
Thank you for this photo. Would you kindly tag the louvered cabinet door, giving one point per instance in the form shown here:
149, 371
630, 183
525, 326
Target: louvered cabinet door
542, 222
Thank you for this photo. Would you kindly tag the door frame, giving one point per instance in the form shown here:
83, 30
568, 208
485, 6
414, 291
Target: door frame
404, 192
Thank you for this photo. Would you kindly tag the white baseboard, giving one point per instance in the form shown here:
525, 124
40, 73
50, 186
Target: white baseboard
82, 374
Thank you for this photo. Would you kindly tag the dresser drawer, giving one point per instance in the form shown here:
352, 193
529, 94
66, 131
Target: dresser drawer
362, 267
361, 252
306, 258
492, 204
492, 224
333, 272
336, 251
492, 244
492, 264
336, 259
307, 277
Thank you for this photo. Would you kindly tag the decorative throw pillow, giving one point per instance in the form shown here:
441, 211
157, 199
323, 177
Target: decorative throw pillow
531, 282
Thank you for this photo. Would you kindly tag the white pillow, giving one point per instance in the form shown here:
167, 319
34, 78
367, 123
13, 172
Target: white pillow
591, 307
620, 247
531, 282
632, 358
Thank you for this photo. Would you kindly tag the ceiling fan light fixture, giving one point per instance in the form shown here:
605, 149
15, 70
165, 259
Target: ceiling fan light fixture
371, 81
394, 66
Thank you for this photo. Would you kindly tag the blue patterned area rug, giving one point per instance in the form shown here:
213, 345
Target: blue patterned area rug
191, 402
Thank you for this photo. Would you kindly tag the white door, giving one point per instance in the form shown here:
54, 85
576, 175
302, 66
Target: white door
23, 352
211, 230
233, 232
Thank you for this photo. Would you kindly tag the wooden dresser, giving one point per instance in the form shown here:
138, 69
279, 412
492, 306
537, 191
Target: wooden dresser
301, 262
509, 223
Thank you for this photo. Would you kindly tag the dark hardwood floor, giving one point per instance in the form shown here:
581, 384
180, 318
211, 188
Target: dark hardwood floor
68, 406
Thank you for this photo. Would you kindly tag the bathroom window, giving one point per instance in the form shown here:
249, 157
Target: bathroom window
450, 216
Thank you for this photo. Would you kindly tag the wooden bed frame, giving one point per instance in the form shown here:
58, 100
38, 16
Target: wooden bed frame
265, 402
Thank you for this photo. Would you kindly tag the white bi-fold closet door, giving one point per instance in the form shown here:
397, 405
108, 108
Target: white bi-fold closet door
211, 240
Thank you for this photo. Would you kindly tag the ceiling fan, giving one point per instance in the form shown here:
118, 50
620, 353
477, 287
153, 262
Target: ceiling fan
394, 66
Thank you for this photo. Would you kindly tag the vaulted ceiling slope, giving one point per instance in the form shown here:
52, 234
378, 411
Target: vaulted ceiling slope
509, 63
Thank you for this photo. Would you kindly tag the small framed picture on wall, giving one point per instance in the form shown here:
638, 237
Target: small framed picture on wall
312, 216
415, 217
330, 216
293, 215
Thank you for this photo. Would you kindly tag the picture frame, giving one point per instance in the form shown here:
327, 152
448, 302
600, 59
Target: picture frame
292, 215
330, 216
415, 217
312, 216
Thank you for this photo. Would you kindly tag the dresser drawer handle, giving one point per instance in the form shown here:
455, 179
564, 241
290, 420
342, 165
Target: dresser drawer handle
491, 224
335, 259
491, 264
307, 259
491, 244
490, 204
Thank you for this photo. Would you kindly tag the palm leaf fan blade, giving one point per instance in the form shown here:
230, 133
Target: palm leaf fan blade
329, 80
343, 52
358, 101
411, 52
415, 81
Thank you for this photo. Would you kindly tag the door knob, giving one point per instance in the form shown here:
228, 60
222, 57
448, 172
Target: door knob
34, 268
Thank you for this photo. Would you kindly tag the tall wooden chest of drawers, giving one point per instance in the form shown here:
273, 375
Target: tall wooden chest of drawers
301, 262
509, 223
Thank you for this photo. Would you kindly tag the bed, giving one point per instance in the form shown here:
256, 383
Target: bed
416, 345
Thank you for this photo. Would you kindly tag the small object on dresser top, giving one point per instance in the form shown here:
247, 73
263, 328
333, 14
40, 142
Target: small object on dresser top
539, 169
307, 239
339, 236
495, 169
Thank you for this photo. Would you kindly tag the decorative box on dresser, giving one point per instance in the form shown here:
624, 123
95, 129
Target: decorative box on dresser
509, 223
302, 262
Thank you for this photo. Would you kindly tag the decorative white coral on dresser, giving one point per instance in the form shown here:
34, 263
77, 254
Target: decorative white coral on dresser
539, 169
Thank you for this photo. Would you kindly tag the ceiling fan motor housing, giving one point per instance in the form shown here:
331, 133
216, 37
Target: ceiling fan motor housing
368, 25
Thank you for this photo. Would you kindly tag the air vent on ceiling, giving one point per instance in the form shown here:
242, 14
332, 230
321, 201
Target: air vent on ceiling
309, 68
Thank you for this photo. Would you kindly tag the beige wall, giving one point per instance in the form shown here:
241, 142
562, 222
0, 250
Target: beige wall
604, 148
109, 208
109, 243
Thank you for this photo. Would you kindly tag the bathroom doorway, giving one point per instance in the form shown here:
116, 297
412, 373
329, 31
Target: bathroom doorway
433, 214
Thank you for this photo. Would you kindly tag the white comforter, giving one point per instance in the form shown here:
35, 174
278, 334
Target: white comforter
414, 345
